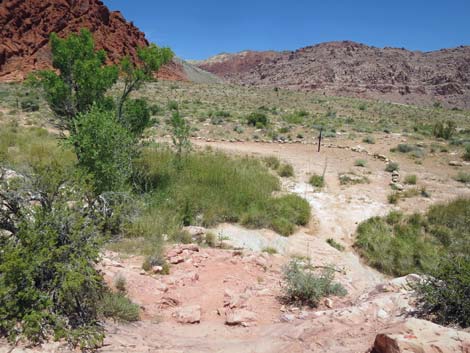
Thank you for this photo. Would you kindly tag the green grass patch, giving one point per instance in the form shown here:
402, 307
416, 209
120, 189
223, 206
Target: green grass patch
207, 188
399, 245
317, 181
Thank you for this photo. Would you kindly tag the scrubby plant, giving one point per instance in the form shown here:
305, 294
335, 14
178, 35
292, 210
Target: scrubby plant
180, 134
285, 170
368, 139
272, 162
335, 244
257, 119
360, 163
53, 248
393, 197
466, 155
120, 283
306, 285
352, 179
270, 250
411, 179
444, 130
392, 166
118, 307
463, 177
317, 181
443, 296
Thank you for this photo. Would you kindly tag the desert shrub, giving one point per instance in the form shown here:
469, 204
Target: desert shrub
305, 286
118, 307
368, 139
172, 105
270, 250
285, 170
392, 166
411, 179
444, 296
317, 181
335, 244
120, 283
53, 249
352, 179
30, 105
405, 148
272, 162
463, 177
360, 163
210, 239
466, 155
393, 198
444, 130
257, 119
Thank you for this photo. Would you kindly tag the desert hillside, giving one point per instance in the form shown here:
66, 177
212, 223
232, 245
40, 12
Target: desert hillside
353, 69
25, 27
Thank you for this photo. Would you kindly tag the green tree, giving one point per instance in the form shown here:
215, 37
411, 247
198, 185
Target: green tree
104, 148
136, 116
180, 134
82, 81
151, 58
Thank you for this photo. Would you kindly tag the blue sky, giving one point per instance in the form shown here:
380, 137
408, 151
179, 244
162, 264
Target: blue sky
202, 28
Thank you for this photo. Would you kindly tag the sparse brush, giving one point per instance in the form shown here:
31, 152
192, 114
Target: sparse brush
411, 179
270, 250
307, 286
120, 283
368, 139
392, 166
335, 244
463, 177
118, 307
272, 162
317, 181
360, 163
285, 170
393, 198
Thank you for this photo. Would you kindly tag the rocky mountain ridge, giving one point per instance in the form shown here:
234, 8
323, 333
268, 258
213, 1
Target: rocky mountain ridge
352, 69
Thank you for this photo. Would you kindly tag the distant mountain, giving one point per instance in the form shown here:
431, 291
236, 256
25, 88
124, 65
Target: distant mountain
352, 69
25, 26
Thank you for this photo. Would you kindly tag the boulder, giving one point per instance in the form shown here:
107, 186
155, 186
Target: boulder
189, 314
420, 336
241, 317
455, 163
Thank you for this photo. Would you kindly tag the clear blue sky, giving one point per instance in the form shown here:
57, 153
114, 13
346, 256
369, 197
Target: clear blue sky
197, 29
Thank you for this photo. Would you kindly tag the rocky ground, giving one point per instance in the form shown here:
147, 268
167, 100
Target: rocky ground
229, 299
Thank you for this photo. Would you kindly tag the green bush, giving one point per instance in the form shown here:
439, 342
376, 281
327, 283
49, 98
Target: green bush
444, 296
392, 166
305, 286
360, 163
411, 179
335, 244
104, 149
285, 170
30, 105
136, 116
53, 250
368, 139
444, 130
272, 162
317, 181
257, 119
463, 177
466, 155
118, 307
